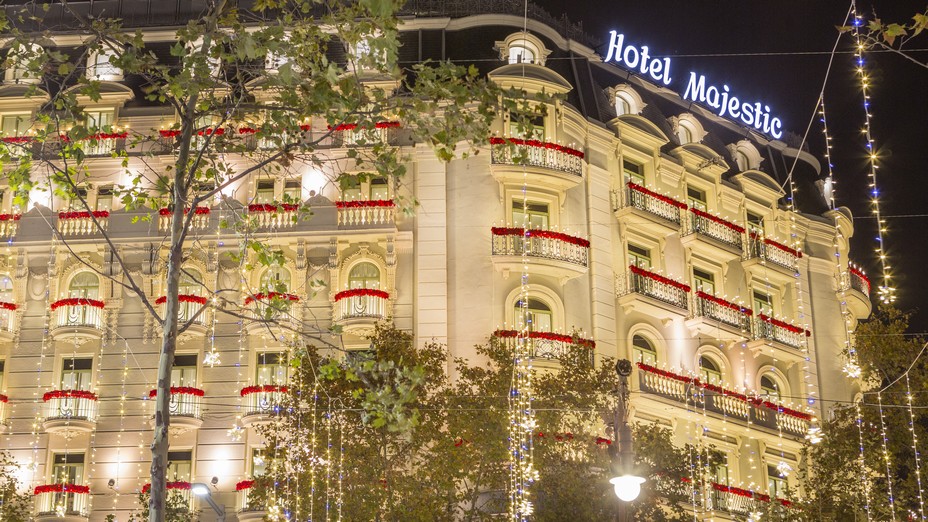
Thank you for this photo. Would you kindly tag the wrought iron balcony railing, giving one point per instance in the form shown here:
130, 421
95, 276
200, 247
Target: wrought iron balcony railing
535, 153
772, 252
720, 310
636, 196
645, 282
705, 224
545, 244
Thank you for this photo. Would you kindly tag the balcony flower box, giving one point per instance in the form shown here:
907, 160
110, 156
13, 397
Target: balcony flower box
536, 153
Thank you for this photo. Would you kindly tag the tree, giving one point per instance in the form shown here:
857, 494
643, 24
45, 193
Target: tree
13, 504
216, 83
839, 479
893, 36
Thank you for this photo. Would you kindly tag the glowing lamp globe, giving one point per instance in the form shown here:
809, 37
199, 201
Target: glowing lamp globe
627, 487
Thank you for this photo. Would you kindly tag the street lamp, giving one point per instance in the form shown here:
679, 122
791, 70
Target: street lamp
202, 490
627, 484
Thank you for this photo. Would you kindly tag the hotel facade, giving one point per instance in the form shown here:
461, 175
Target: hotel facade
696, 246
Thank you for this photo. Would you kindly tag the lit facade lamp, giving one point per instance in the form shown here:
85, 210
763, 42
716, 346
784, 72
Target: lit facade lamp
202, 490
627, 482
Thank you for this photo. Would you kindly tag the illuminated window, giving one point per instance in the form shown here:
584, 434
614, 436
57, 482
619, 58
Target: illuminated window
68, 468
191, 282
639, 256
696, 198
703, 281
104, 199
763, 304
684, 134
84, 285
15, 124
351, 189
275, 279
527, 127
755, 223
622, 106
538, 316
6, 289
532, 214
184, 372
776, 483
76, 374
293, 191
265, 192
259, 462
180, 466
100, 67
521, 53
20, 57
709, 371
643, 351
364, 275
633, 172
769, 388
271, 368
380, 189
720, 468
100, 119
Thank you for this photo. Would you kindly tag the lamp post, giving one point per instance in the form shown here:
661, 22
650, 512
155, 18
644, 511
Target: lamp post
626, 482
202, 490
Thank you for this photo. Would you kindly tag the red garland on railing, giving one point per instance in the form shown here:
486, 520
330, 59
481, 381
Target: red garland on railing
172, 133
385, 203
352, 126
757, 401
180, 484
659, 278
716, 219
666, 199
61, 488
603, 441
548, 336
107, 136
209, 131
267, 207
77, 301
180, 390
859, 273
721, 302
10, 217
271, 295
183, 298
199, 211
83, 214
4, 398
17, 139
247, 130
64, 394
264, 388
357, 292
549, 234
775, 244
536, 143
784, 325
8, 306
244, 484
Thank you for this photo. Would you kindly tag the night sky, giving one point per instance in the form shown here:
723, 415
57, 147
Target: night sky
790, 84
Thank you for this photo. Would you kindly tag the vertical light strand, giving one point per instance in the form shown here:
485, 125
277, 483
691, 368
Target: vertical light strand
887, 292
918, 465
884, 439
830, 179
864, 475
39, 399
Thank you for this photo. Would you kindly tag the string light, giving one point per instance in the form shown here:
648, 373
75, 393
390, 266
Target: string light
918, 466
884, 439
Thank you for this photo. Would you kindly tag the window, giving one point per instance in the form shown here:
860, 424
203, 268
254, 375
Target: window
534, 215
265, 192
741, 159
104, 199
633, 172
76, 374
258, 462
68, 468
380, 190
293, 191
622, 106
696, 198
776, 483
6, 289
639, 256
769, 388
703, 281
351, 189
271, 368
521, 53
709, 371
538, 316
755, 223
180, 466
276, 279
191, 282
184, 372
99, 66
522, 47
100, 119
684, 134
20, 57
2, 365
720, 468
763, 304
364, 275
527, 127
643, 351
15, 124
85, 285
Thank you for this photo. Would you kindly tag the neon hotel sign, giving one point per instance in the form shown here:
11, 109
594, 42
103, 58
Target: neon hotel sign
721, 100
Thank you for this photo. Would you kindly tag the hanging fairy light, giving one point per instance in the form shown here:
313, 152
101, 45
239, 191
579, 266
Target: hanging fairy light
918, 465
884, 439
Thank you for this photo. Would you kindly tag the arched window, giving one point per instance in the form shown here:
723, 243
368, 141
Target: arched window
709, 371
522, 52
6, 289
538, 316
85, 285
20, 56
643, 351
684, 134
622, 106
99, 66
742, 160
191, 282
364, 275
770, 387
276, 279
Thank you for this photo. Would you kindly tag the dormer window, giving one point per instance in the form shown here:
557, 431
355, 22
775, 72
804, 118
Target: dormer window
622, 107
745, 155
19, 58
522, 48
687, 129
627, 101
100, 66
522, 53
684, 134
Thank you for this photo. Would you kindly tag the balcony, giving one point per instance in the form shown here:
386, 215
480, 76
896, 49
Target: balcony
366, 213
8, 316
184, 407
188, 310
352, 135
740, 501
763, 254
359, 309
261, 403
179, 505
199, 222
547, 252
652, 293
278, 215
857, 291
77, 318
550, 346
712, 235
644, 209
249, 506
8, 225
536, 162
62, 502
725, 404
767, 328
267, 309
70, 412
104, 143
717, 318
82, 223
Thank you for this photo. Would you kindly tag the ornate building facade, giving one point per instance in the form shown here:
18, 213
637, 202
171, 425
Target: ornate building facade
660, 233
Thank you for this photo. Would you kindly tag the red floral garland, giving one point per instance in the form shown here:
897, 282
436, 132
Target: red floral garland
660, 197
243, 485
180, 390
172, 133
183, 298
784, 325
4, 398
536, 143
199, 211
352, 126
107, 136
267, 207
83, 214
264, 388
180, 484
550, 234
8, 306
756, 401
775, 244
209, 131
603, 441
357, 292
61, 488
63, 394
717, 219
10, 217
560, 437
548, 336
859, 273
247, 130
659, 278
384, 203
721, 302
271, 295
77, 301
17, 139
